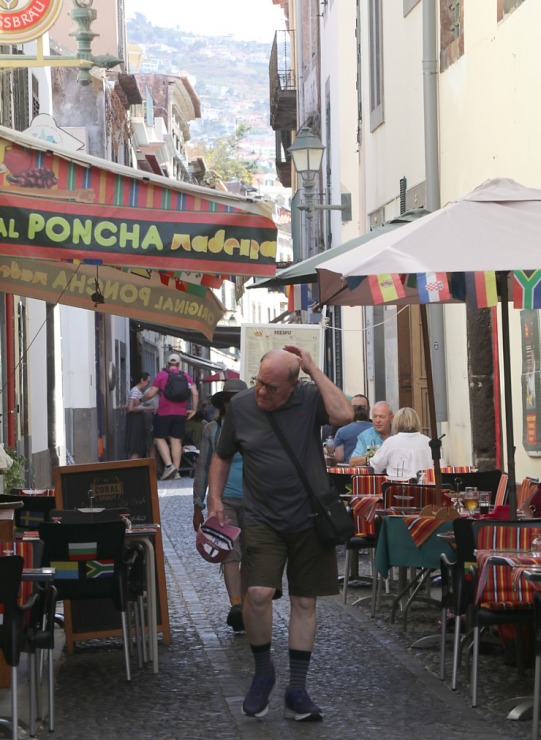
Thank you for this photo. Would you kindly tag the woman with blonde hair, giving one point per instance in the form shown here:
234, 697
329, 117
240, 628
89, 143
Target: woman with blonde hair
406, 451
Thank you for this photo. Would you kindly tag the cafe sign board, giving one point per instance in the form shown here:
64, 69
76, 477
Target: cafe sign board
26, 20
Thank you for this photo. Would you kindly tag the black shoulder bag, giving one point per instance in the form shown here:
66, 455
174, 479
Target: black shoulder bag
333, 523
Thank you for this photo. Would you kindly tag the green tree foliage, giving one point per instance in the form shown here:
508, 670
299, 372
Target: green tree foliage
226, 160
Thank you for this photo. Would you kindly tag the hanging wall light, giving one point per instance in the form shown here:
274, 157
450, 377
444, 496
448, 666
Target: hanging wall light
97, 295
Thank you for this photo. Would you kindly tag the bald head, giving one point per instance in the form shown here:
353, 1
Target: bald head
382, 417
278, 375
282, 361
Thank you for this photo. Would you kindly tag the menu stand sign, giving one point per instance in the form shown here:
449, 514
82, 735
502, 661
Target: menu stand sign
109, 485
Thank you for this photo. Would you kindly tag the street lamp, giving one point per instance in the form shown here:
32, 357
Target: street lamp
307, 154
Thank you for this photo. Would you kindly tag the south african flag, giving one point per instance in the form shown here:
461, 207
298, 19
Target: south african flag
100, 568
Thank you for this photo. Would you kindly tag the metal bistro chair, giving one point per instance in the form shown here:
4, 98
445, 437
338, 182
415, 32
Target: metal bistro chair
89, 564
133, 557
12, 629
457, 591
484, 480
39, 633
365, 530
40, 637
410, 495
499, 602
87, 516
34, 510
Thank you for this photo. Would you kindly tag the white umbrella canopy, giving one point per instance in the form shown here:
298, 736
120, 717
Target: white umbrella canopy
496, 227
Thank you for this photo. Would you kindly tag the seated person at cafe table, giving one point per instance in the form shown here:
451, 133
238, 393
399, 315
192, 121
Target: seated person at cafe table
406, 451
360, 400
371, 439
346, 437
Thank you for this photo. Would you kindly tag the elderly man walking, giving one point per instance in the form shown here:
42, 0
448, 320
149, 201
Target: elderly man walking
278, 516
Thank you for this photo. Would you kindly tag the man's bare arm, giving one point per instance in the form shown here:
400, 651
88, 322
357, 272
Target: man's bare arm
218, 475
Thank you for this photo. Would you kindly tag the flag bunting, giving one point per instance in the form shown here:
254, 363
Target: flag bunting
297, 297
82, 550
65, 570
527, 289
100, 568
481, 290
433, 287
386, 287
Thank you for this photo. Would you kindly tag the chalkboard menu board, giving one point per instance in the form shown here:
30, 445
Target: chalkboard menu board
110, 485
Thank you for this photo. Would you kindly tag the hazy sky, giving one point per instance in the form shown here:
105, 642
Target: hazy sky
251, 20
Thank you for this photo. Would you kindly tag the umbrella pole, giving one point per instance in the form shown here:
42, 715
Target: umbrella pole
435, 444
509, 434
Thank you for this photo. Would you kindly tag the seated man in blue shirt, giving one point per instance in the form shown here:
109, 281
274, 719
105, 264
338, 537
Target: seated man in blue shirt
371, 439
346, 437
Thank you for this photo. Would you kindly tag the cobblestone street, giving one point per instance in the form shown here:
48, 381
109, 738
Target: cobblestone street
363, 674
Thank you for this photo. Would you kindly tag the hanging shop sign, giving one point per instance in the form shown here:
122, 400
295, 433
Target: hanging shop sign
58, 208
138, 295
26, 20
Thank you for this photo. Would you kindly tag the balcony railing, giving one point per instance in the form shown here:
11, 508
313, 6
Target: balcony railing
282, 84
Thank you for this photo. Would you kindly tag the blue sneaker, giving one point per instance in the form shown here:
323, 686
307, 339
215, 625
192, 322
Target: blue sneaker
256, 701
300, 707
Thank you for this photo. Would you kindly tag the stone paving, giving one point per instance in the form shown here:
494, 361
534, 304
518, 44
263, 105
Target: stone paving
363, 673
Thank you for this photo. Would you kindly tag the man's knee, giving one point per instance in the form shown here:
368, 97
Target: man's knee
303, 604
259, 596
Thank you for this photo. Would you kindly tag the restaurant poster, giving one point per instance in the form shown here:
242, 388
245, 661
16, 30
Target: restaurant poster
257, 339
531, 382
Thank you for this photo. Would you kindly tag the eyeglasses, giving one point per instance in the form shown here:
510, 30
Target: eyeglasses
267, 386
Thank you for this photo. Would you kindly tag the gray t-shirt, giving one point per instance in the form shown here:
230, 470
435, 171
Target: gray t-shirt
273, 493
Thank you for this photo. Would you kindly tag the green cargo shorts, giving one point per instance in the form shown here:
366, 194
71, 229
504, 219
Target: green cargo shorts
311, 569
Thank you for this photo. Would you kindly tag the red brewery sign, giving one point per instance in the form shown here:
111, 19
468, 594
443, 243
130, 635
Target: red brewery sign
26, 20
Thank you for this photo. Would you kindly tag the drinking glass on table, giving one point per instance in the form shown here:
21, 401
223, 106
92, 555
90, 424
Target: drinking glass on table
484, 502
471, 500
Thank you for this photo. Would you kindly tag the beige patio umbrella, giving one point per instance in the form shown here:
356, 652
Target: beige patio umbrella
497, 227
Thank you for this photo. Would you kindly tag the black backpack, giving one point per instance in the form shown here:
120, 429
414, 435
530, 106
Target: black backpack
177, 388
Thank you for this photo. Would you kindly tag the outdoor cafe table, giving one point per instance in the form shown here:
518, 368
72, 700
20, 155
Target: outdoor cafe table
396, 547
